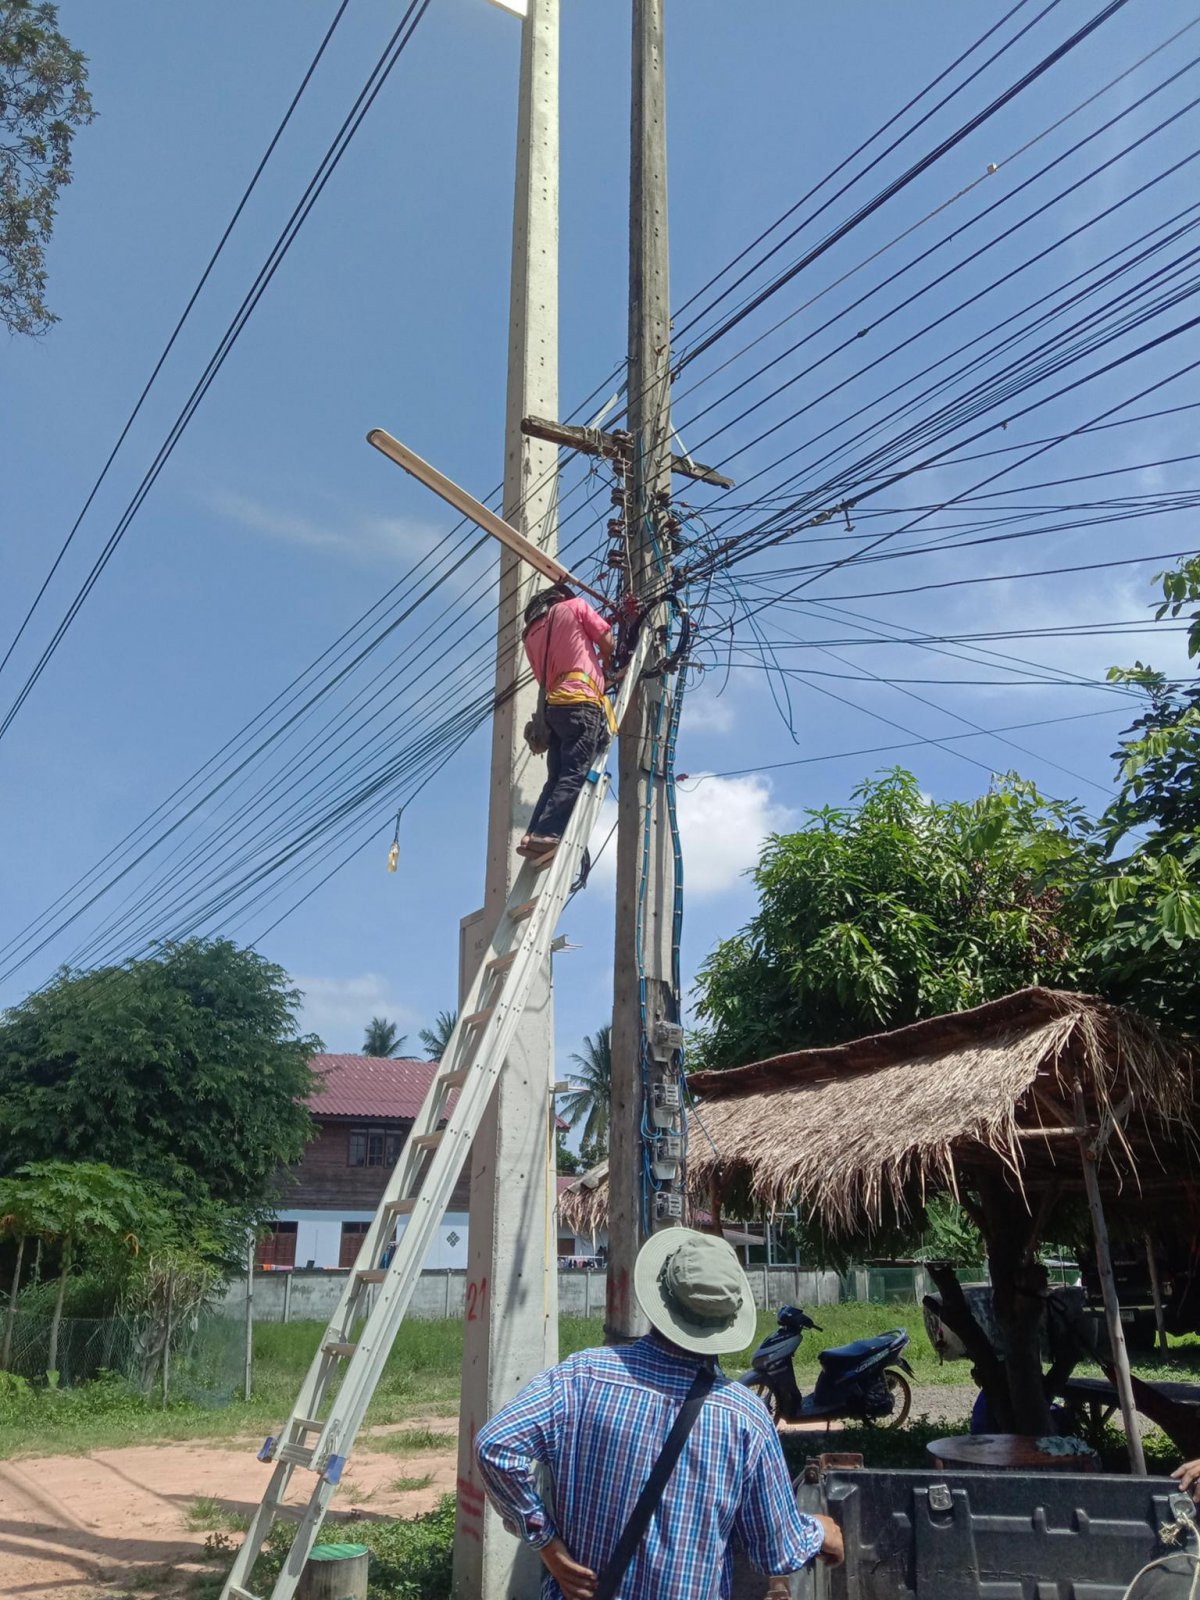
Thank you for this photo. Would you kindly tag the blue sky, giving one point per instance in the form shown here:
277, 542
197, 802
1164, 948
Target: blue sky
273, 526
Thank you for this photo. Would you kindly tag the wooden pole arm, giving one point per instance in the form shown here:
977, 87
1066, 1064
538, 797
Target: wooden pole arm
478, 513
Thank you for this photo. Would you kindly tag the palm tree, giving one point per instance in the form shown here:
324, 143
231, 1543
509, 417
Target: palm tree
436, 1039
383, 1038
588, 1103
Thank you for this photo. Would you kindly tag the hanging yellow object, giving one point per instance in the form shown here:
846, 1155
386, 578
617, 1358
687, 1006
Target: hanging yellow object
394, 855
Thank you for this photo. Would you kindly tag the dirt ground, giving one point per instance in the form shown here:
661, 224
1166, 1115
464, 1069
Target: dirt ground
115, 1522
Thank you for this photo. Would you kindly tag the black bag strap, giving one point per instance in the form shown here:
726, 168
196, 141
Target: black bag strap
639, 1518
545, 665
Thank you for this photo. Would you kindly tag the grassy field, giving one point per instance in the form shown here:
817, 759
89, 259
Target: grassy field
421, 1380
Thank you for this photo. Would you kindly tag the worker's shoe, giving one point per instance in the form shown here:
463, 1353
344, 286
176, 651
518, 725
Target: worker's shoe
541, 846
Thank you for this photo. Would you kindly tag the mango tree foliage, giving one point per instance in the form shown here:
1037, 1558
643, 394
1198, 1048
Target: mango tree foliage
186, 1069
891, 909
1145, 900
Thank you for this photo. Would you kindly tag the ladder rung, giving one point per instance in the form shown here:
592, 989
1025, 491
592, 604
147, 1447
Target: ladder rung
525, 909
400, 1208
240, 1594
455, 1079
298, 1454
307, 1424
339, 1349
370, 1275
476, 1018
427, 1141
498, 963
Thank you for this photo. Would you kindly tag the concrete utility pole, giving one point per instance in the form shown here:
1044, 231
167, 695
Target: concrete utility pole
512, 1282
646, 1058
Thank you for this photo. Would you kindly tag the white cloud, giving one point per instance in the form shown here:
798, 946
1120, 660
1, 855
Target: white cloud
722, 825
339, 1009
706, 713
364, 538
724, 696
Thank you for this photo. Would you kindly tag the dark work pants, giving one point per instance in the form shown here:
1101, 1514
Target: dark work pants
577, 735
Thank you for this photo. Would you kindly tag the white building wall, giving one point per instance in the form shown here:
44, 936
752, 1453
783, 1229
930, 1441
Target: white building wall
319, 1238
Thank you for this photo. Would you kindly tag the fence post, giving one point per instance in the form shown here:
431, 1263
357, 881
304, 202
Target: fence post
446, 1303
166, 1366
287, 1297
587, 1292
249, 1312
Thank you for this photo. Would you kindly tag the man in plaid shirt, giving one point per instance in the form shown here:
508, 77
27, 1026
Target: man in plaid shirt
598, 1421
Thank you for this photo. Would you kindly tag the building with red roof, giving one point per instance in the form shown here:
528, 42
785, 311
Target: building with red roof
364, 1111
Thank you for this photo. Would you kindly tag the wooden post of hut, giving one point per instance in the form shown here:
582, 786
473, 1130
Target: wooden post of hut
335, 1572
1160, 1320
1090, 1153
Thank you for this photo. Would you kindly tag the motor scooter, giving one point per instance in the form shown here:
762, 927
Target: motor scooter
865, 1379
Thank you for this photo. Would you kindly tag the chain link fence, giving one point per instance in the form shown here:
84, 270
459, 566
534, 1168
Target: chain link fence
205, 1362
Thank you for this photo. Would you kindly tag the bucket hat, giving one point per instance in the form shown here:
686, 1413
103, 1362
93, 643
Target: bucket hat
693, 1290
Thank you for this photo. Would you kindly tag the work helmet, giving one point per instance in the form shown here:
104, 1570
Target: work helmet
542, 601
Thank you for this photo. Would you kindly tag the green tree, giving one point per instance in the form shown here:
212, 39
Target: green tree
896, 908
1144, 900
383, 1038
185, 1069
588, 1101
568, 1163
19, 1220
170, 1285
43, 99
437, 1038
87, 1209
893, 909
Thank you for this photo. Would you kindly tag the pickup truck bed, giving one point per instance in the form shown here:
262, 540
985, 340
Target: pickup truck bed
997, 1536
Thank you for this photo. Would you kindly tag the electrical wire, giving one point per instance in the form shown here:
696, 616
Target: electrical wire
886, 749
396, 47
170, 344
323, 816
901, 183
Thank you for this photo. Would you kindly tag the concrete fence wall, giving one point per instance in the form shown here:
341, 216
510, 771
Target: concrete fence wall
301, 1296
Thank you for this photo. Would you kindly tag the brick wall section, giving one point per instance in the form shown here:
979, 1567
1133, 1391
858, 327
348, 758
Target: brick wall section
325, 1181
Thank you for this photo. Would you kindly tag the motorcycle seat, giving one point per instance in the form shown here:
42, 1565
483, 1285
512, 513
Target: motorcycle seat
844, 1356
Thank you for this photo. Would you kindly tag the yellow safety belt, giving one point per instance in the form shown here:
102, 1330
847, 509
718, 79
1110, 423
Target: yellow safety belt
563, 695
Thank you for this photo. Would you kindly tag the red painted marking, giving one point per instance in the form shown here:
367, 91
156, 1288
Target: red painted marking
476, 1298
472, 1495
618, 1298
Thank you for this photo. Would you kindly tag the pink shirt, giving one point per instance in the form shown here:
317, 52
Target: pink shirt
564, 642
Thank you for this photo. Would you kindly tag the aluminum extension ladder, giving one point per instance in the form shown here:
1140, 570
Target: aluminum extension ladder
319, 1435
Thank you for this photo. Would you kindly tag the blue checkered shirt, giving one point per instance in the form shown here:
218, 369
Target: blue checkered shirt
598, 1422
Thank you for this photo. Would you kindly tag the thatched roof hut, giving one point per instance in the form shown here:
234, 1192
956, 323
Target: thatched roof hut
860, 1132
